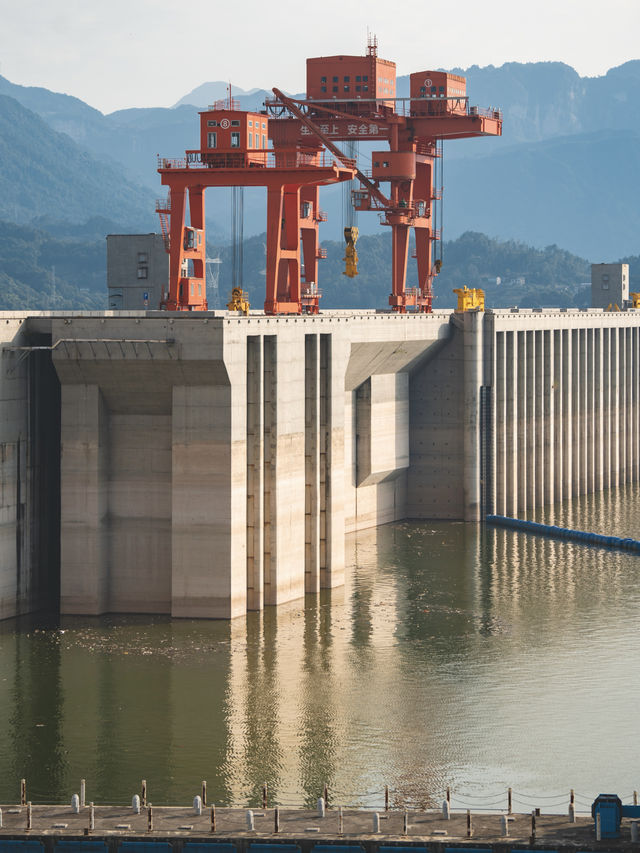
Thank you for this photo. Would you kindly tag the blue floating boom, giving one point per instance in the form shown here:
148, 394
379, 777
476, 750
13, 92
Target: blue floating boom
554, 532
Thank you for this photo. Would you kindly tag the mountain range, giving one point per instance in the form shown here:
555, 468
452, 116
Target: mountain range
565, 171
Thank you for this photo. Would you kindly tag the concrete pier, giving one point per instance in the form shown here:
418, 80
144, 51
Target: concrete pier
204, 465
426, 831
58, 827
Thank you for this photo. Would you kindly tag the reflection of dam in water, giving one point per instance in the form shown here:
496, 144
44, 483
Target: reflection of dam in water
208, 465
453, 655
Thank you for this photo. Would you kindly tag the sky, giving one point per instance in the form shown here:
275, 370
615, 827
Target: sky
118, 54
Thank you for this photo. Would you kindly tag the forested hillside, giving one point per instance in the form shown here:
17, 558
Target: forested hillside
529, 277
45, 173
38, 272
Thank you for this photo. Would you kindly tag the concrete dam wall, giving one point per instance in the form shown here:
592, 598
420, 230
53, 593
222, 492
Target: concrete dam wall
204, 465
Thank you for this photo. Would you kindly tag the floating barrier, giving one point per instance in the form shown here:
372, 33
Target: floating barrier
554, 532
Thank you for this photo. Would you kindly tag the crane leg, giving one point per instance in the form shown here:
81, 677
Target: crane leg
196, 216
274, 227
425, 274
290, 291
399, 254
310, 236
175, 254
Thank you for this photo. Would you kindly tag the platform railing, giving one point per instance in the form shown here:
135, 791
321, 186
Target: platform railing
405, 106
252, 158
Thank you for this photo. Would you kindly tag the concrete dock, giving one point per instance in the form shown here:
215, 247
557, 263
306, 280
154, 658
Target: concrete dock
304, 828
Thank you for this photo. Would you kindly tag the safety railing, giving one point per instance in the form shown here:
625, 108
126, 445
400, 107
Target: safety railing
486, 112
428, 148
225, 104
431, 105
281, 159
307, 212
310, 293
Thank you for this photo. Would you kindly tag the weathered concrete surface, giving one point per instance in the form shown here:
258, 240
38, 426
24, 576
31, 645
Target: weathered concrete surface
564, 415
211, 464
137, 266
305, 828
29, 489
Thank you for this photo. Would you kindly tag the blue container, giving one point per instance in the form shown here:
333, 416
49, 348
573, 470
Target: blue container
338, 848
80, 847
406, 849
530, 850
274, 848
609, 807
467, 849
31, 846
144, 847
209, 847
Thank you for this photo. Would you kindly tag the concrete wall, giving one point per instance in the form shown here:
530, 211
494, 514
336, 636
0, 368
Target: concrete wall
137, 264
524, 408
609, 285
565, 414
436, 415
29, 471
212, 464
203, 465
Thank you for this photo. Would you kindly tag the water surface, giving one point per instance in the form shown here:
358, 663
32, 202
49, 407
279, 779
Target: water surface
455, 655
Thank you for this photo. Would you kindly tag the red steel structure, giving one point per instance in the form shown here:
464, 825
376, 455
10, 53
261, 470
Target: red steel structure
348, 98
233, 152
354, 97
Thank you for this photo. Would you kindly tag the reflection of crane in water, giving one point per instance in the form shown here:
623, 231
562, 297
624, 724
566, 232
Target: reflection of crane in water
213, 275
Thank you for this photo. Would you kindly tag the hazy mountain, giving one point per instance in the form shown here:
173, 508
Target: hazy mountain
144, 133
44, 173
207, 93
542, 100
564, 172
580, 192
539, 100
63, 113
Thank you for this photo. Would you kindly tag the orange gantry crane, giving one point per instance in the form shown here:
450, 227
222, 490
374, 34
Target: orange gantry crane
347, 98
233, 152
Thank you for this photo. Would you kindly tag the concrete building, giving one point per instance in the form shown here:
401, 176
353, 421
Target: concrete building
137, 271
609, 285
209, 464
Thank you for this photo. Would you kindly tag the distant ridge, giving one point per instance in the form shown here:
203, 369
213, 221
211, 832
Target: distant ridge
207, 93
44, 173
566, 170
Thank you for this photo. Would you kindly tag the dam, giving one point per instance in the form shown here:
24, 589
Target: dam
203, 464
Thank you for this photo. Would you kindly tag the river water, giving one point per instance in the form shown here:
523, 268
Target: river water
455, 655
